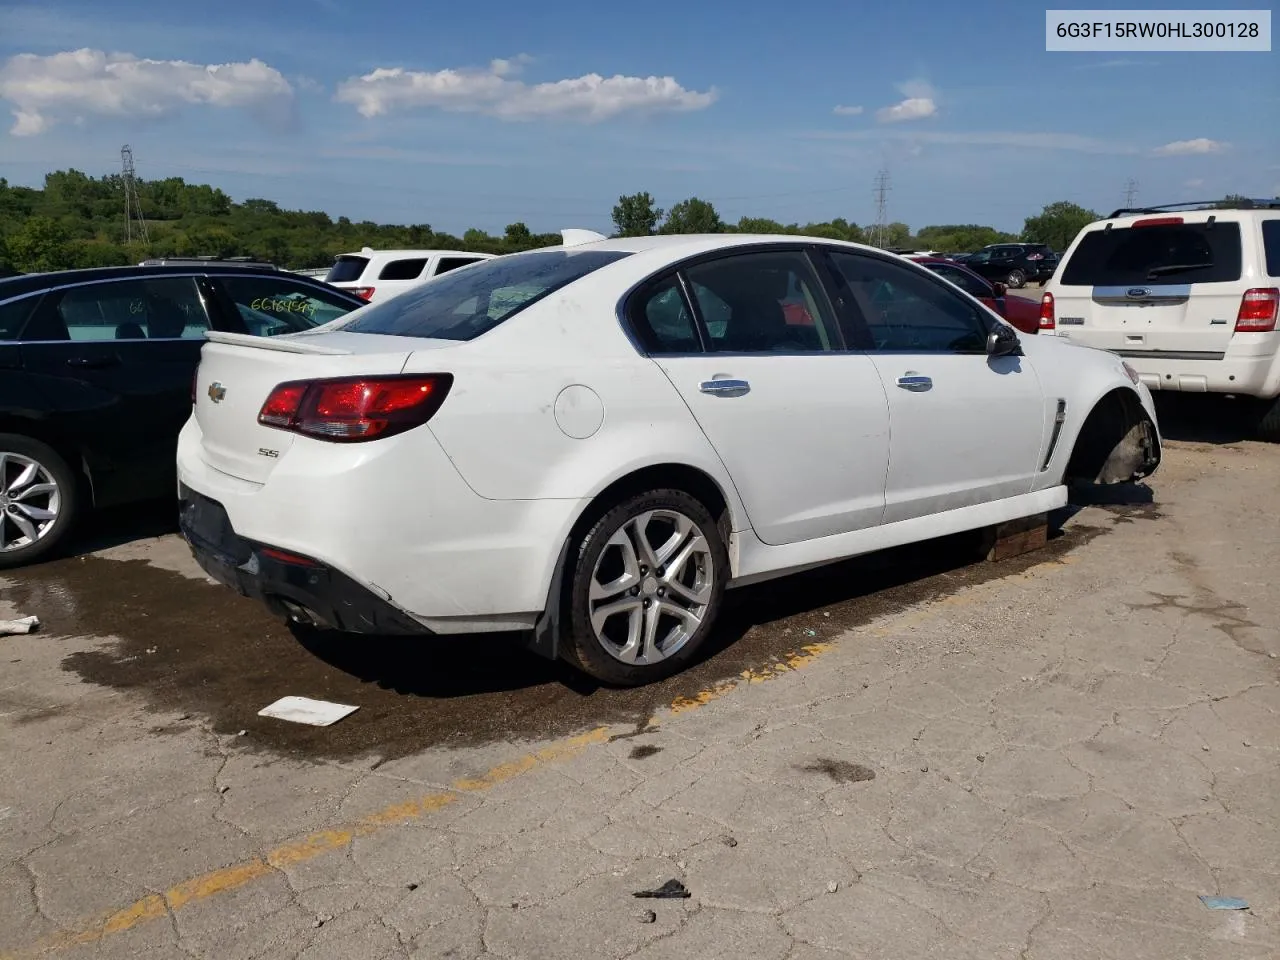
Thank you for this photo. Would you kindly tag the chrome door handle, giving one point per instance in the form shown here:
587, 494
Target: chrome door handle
725, 388
915, 383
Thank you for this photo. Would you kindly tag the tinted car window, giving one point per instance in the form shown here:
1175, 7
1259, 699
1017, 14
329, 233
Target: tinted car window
1271, 243
13, 315
662, 321
403, 269
974, 286
1156, 255
453, 263
906, 311
466, 303
271, 306
762, 303
161, 308
346, 269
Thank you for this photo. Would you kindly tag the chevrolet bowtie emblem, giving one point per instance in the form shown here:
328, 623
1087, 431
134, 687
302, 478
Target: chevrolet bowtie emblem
217, 391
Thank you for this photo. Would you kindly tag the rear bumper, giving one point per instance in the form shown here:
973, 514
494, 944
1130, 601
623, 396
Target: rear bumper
305, 590
1248, 376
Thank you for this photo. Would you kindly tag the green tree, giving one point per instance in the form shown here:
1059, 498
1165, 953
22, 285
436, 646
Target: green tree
38, 246
960, 237
518, 237
635, 215
693, 216
1057, 224
760, 225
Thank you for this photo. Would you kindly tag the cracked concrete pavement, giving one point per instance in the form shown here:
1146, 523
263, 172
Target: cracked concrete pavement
1048, 763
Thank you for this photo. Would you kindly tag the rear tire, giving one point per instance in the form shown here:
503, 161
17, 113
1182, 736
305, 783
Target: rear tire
1016, 279
647, 584
39, 500
1269, 422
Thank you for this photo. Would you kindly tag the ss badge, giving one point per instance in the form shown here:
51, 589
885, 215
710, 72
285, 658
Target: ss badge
264, 452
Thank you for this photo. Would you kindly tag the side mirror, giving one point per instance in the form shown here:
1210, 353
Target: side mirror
1000, 289
1003, 342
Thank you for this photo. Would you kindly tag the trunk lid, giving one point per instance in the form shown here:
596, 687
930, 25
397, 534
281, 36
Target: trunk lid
238, 372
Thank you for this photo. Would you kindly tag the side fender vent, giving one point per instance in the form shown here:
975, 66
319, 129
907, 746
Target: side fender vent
1058, 419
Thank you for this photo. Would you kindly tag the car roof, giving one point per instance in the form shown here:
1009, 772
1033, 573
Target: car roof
32, 282
369, 253
677, 246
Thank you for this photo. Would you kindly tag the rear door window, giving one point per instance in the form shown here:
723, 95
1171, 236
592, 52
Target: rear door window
346, 269
403, 269
453, 263
13, 316
1157, 255
1271, 244
161, 308
466, 303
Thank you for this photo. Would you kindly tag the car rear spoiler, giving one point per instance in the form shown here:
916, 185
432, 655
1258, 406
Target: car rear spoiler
284, 344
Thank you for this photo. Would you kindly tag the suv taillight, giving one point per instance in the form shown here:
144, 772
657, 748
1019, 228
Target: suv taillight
1047, 319
355, 408
364, 293
1258, 309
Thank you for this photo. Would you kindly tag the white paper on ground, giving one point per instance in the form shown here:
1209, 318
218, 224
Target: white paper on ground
317, 713
21, 625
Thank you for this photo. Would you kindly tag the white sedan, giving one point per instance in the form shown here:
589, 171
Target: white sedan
593, 442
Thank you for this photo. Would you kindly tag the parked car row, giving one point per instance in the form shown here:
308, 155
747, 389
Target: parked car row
590, 443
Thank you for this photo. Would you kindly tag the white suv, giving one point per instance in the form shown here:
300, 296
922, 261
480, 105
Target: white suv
378, 274
1187, 293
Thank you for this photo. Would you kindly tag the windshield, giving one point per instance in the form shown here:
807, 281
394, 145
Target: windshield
1160, 254
463, 304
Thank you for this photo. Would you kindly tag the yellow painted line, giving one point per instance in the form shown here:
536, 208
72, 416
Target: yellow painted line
205, 886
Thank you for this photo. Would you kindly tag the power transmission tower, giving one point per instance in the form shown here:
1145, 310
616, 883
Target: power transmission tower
882, 188
1130, 193
132, 203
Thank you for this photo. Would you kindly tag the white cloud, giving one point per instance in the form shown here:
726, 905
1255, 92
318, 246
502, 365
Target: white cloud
843, 111
1179, 148
77, 84
507, 67
587, 98
920, 101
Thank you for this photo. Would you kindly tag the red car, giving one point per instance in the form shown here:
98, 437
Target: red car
1022, 314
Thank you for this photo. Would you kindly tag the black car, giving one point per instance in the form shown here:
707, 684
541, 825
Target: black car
1014, 263
96, 373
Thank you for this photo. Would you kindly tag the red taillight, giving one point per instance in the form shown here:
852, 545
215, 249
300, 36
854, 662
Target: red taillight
282, 406
1258, 308
364, 293
1047, 319
1157, 222
356, 408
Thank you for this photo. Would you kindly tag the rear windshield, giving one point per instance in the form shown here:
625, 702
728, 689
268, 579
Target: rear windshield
466, 303
1163, 255
1271, 243
346, 269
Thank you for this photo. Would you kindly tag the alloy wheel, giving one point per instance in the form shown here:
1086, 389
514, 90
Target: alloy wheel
651, 587
30, 501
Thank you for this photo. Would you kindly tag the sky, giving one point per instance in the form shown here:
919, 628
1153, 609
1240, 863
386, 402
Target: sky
481, 114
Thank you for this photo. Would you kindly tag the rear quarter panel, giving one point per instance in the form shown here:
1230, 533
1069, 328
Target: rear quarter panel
500, 424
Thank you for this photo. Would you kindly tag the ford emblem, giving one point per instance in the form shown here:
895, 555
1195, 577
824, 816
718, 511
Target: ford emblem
217, 391
1137, 293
